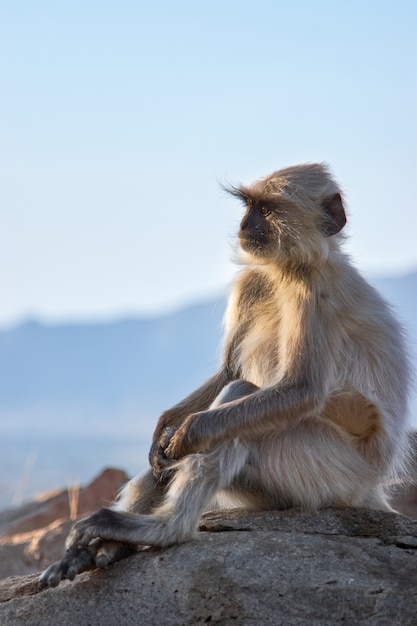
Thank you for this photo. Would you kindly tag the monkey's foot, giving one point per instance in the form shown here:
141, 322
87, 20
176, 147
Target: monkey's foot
99, 554
73, 563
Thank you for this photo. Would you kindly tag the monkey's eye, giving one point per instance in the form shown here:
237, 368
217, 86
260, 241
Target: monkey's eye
265, 211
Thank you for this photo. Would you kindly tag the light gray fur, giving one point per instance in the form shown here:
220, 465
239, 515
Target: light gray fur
309, 407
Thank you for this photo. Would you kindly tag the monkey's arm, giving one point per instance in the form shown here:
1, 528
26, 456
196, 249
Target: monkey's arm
268, 409
197, 401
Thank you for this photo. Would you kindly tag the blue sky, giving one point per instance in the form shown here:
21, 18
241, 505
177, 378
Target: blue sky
119, 119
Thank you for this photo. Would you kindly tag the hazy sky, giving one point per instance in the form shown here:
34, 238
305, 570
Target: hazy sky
118, 120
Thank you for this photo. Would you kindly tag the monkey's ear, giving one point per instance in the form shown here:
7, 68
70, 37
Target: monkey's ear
334, 217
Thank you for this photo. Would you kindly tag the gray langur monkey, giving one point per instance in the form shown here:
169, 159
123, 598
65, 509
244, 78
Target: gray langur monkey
309, 407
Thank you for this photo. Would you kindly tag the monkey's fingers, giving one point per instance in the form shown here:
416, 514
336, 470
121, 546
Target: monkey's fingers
73, 563
105, 524
177, 448
165, 437
159, 462
87, 530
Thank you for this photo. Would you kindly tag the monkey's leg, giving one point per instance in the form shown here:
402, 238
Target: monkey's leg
315, 464
197, 478
141, 494
129, 524
233, 391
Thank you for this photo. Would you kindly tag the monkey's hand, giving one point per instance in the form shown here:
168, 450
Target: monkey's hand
186, 439
157, 458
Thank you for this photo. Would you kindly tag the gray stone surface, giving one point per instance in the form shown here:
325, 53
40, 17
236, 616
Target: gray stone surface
335, 566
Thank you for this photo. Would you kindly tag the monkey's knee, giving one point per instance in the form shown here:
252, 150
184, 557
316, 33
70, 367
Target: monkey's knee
233, 391
141, 494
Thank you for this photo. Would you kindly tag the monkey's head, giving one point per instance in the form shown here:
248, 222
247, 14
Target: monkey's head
291, 215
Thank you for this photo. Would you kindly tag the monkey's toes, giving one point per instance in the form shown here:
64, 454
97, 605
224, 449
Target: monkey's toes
52, 576
102, 560
112, 551
73, 563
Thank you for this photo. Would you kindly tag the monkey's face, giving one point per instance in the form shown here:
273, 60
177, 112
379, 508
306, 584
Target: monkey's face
260, 229
291, 215
276, 228
282, 230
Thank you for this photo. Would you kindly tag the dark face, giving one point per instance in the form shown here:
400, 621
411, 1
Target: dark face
283, 227
256, 232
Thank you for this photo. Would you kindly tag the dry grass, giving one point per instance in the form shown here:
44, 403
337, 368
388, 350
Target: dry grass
73, 497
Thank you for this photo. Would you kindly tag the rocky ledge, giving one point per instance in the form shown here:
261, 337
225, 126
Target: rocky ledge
350, 566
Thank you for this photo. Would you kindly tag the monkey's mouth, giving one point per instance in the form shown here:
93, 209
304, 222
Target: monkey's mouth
252, 243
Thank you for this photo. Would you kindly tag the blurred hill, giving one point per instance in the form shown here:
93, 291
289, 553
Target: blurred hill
125, 368
76, 397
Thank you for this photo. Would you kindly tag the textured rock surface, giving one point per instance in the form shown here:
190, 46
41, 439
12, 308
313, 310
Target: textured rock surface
347, 566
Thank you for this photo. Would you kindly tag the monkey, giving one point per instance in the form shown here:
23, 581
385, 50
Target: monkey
309, 406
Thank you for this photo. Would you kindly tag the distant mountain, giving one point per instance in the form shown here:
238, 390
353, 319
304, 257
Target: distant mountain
83, 394
76, 398
127, 367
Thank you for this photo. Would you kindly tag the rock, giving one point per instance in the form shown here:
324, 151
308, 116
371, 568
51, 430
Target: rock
48, 507
35, 533
25, 553
350, 566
